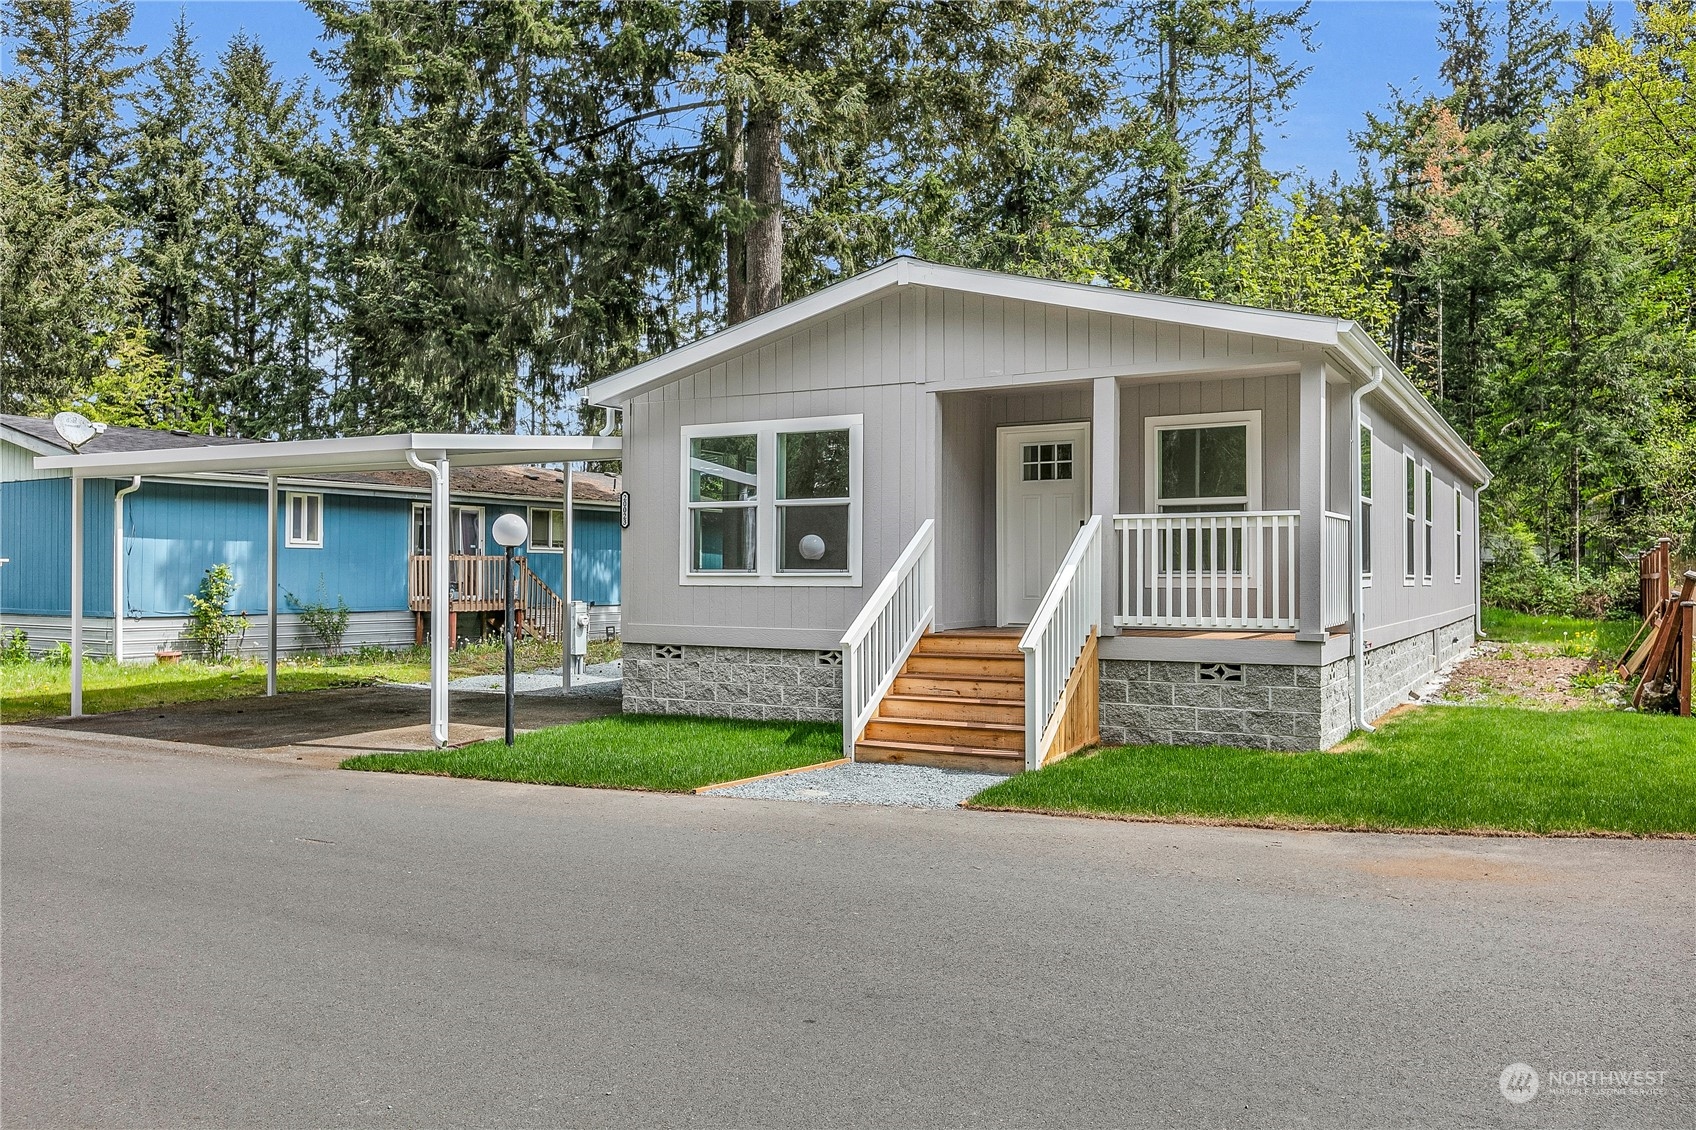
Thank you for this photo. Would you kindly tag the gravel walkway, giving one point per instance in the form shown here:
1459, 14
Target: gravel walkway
906, 786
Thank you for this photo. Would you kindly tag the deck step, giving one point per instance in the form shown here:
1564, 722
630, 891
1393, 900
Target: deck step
947, 732
960, 708
950, 663
940, 756
975, 644
1001, 687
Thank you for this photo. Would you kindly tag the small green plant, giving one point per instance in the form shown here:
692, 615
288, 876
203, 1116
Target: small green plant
327, 622
59, 655
1595, 680
14, 647
1578, 645
210, 622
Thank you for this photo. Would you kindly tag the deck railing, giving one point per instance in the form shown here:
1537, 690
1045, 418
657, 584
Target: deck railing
476, 584
1339, 597
1231, 571
1058, 633
885, 632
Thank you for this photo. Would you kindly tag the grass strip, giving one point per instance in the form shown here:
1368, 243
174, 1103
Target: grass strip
1436, 768
632, 751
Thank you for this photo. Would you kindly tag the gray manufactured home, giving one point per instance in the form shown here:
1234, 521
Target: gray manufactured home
985, 520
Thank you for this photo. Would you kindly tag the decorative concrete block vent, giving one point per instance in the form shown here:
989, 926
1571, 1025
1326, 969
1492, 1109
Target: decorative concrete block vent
1255, 705
733, 682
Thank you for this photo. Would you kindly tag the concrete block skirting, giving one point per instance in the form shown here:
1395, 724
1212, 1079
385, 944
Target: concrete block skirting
1264, 705
733, 682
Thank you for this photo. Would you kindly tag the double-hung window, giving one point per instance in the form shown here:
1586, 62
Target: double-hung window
1460, 531
1366, 503
774, 502
1410, 519
306, 521
1204, 464
547, 529
1430, 507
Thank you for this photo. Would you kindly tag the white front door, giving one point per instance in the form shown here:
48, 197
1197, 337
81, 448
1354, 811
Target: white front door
1042, 498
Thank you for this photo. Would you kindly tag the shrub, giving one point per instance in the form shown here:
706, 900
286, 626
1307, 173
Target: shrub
1519, 579
210, 622
328, 623
14, 647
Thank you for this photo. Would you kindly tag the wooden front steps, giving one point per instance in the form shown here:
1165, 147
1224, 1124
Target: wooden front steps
958, 703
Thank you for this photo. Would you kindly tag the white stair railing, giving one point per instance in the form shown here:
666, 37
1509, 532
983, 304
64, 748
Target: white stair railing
1339, 577
885, 632
1057, 635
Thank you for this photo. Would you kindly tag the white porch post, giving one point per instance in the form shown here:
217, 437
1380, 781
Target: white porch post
1312, 441
441, 606
1104, 486
77, 484
271, 583
118, 567
568, 626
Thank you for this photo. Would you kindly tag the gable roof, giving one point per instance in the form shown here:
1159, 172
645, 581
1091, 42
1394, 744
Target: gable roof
543, 484
1353, 344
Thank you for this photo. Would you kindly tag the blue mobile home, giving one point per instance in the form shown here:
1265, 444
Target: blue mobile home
359, 537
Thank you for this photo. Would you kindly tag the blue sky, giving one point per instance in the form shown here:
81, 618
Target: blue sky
1363, 48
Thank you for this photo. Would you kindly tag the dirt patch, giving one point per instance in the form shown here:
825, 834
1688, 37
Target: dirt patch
1532, 675
1452, 866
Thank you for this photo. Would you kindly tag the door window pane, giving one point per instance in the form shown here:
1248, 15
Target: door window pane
1044, 462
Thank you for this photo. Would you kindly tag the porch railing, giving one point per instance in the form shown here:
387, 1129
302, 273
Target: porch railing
886, 631
1058, 634
1338, 571
1232, 571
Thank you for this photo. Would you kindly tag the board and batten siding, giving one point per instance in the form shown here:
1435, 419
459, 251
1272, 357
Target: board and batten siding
35, 539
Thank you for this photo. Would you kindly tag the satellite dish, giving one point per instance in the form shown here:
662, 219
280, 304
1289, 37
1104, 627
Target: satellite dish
76, 429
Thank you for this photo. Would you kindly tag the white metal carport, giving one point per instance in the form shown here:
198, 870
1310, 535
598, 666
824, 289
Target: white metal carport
432, 453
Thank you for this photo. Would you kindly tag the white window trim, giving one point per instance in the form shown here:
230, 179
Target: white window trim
1409, 519
1152, 426
534, 546
289, 540
1428, 501
482, 529
765, 572
1460, 531
1368, 499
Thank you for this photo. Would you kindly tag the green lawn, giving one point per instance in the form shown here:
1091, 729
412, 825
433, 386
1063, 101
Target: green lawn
42, 689
1611, 636
1437, 767
634, 751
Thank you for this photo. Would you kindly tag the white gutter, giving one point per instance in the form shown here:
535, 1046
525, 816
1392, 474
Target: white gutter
1478, 560
118, 567
1357, 541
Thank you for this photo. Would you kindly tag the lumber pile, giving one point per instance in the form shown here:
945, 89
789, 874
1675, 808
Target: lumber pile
1661, 652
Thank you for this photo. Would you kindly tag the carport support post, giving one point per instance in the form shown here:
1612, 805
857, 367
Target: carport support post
568, 624
77, 485
271, 583
441, 606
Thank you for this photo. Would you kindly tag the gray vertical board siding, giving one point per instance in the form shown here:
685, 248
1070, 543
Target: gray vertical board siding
1393, 610
17, 465
1277, 397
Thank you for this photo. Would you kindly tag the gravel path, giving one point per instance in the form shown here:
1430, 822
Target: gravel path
904, 786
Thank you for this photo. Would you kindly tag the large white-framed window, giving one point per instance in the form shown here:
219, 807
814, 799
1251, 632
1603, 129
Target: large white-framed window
465, 530
1410, 517
776, 502
305, 521
1460, 531
1430, 504
547, 529
1202, 463
1365, 503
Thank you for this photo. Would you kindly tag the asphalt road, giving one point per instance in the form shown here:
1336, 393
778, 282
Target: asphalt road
218, 940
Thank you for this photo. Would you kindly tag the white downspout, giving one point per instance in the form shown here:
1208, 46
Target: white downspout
568, 625
1357, 626
77, 486
1478, 561
118, 567
441, 608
